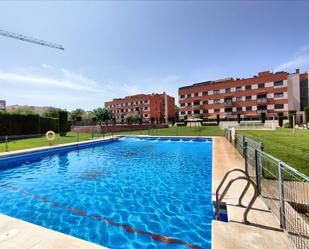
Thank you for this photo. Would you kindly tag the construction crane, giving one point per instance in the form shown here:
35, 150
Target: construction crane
30, 39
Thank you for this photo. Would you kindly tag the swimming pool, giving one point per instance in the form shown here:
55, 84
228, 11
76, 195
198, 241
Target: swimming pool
132, 192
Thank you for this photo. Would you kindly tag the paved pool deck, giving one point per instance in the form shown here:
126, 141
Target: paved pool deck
262, 232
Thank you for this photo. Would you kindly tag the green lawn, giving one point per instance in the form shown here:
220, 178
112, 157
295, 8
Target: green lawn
281, 143
72, 137
39, 142
180, 131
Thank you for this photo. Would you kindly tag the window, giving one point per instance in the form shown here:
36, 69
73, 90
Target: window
238, 99
196, 111
182, 113
278, 83
262, 85
279, 106
205, 111
249, 108
146, 101
196, 103
146, 108
248, 87
216, 101
182, 104
188, 95
278, 95
239, 109
248, 97
189, 104
216, 110
238, 89
227, 90
182, 96
195, 94
189, 112
205, 93
216, 91
146, 115
205, 102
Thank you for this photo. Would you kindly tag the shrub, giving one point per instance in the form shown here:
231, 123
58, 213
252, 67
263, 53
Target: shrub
182, 124
63, 123
306, 110
291, 114
263, 117
210, 124
287, 125
280, 119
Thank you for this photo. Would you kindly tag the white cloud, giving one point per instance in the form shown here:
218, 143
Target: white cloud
297, 62
47, 66
39, 80
58, 87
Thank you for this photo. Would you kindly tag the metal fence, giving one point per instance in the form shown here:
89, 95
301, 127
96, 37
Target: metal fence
11, 143
284, 190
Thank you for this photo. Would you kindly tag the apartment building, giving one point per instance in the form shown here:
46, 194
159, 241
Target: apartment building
266, 92
147, 106
2, 105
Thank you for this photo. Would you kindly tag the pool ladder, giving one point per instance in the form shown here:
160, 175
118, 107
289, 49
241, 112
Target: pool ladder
249, 182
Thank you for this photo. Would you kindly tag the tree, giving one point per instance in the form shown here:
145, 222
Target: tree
23, 110
132, 118
63, 123
176, 113
263, 117
291, 114
218, 119
52, 112
280, 119
76, 114
238, 118
103, 114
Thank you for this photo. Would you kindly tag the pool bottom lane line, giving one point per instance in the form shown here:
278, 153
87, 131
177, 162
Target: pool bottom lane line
127, 228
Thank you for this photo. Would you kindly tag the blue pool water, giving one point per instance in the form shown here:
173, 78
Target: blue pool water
130, 193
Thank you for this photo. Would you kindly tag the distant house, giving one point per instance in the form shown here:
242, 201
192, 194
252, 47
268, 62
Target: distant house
2, 105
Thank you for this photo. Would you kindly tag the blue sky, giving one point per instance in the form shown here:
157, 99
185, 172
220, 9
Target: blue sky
114, 49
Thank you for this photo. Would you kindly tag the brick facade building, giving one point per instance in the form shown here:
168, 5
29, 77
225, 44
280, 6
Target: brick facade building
146, 106
267, 92
2, 105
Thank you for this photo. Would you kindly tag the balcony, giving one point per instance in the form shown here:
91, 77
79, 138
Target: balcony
261, 111
228, 114
228, 103
261, 100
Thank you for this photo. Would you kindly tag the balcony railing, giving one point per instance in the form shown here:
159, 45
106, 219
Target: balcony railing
261, 100
228, 113
261, 111
228, 103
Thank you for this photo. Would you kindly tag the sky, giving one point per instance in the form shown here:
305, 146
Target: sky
119, 48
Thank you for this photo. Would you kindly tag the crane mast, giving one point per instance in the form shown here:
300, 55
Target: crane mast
30, 39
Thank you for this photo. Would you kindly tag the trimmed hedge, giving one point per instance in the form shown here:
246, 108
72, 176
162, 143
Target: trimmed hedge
25, 124
63, 123
210, 124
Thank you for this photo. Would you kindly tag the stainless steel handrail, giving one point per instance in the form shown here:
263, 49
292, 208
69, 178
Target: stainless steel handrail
250, 203
221, 184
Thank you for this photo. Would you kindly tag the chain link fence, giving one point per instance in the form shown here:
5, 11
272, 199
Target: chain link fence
284, 190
